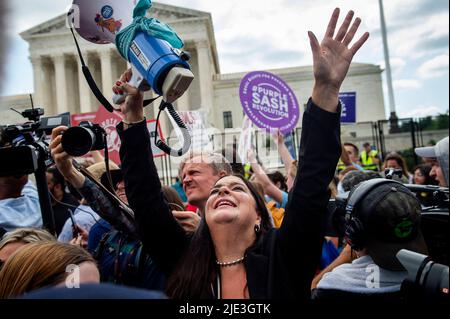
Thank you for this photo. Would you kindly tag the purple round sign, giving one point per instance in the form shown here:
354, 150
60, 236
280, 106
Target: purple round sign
269, 102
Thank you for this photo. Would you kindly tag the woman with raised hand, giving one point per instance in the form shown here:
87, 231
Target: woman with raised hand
236, 253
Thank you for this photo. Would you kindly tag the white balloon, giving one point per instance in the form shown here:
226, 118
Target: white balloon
101, 20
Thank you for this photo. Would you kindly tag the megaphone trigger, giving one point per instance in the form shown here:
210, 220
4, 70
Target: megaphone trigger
137, 81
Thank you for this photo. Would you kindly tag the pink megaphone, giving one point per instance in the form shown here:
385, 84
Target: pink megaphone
98, 21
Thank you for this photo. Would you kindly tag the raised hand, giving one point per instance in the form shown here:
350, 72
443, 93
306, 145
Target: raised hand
63, 160
82, 237
332, 59
188, 220
278, 137
132, 108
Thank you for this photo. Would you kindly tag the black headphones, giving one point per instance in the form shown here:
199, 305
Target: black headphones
355, 233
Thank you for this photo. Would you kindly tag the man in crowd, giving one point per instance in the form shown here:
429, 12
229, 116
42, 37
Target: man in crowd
437, 157
369, 158
61, 200
200, 171
352, 151
19, 203
382, 217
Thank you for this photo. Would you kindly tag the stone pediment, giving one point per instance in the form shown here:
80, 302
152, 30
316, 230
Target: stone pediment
163, 12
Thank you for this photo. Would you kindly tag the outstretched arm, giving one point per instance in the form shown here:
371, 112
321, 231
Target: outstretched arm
269, 188
286, 156
332, 58
319, 153
97, 200
163, 238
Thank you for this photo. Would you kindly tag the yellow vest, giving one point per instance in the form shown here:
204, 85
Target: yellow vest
247, 168
367, 160
341, 166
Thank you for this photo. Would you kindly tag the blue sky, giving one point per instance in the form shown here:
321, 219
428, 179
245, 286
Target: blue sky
263, 34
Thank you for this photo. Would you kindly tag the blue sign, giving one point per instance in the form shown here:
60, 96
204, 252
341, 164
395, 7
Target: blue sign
289, 142
348, 101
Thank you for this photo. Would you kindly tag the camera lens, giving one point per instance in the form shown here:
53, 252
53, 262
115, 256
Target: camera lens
78, 141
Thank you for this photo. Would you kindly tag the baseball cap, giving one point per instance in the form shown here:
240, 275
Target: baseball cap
391, 214
98, 169
436, 151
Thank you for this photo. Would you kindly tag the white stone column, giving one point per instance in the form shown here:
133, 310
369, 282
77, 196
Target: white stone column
205, 78
61, 83
38, 72
84, 91
107, 74
47, 87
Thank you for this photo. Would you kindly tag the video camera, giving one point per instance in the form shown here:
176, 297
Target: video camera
426, 279
439, 198
22, 145
24, 151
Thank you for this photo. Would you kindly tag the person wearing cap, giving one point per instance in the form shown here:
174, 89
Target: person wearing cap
384, 220
437, 157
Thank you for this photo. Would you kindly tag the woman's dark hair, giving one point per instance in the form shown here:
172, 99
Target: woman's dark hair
278, 177
425, 170
197, 270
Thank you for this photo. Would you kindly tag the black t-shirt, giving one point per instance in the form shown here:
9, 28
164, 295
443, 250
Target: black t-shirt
61, 212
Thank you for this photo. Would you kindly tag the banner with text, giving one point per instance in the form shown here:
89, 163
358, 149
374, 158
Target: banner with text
348, 101
269, 102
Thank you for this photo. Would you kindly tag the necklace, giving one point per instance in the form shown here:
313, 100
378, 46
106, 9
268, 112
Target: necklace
230, 263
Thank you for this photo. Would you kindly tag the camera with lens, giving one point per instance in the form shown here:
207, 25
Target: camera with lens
80, 140
426, 279
392, 173
22, 145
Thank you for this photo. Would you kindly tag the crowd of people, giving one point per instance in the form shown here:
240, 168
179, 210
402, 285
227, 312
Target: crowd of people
220, 232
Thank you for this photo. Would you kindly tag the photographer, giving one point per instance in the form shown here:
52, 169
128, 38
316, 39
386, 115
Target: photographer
395, 166
437, 157
61, 200
382, 217
19, 203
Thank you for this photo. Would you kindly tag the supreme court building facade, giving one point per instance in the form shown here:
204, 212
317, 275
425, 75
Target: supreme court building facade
59, 85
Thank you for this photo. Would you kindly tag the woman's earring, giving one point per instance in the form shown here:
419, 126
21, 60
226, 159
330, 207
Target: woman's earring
257, 229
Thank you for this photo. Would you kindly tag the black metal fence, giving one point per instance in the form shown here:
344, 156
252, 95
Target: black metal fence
401, 136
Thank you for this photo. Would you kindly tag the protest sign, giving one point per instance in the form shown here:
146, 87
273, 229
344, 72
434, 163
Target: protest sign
269, 102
